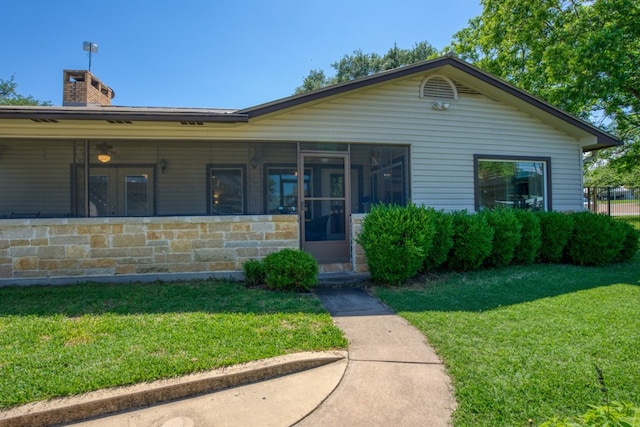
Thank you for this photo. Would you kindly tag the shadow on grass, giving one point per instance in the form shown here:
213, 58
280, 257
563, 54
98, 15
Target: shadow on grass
490, 289
160, 297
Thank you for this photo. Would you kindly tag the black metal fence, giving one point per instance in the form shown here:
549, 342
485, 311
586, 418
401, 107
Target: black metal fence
614, 201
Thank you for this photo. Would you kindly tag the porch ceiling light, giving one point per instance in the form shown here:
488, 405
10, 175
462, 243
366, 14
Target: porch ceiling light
105, 152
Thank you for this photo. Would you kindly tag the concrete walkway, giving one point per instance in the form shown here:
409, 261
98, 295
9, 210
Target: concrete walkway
393, 378
389, 377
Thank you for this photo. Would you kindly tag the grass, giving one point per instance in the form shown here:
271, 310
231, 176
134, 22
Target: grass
65, 340
522, 342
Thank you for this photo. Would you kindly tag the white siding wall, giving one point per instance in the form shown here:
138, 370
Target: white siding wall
443, 142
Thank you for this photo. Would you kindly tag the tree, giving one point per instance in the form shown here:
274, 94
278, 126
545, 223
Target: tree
9, 95
581, 55
360, 64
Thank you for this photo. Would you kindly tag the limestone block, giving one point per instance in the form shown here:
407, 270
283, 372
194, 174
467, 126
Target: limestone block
55, 252
16, 232
189, 267
94, 229
6, 270
222, 266
180, 257
180, 246
134, 228
25, 263
153, 268
262, 227
102, 263
128, 240
240, 227
187, 234
48, 264
70, 240
63, 230
23, 251
69, 264
99, 241
214, 255
125, 269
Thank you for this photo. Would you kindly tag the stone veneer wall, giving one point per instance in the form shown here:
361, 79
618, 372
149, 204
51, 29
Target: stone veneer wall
358, 258
94, 247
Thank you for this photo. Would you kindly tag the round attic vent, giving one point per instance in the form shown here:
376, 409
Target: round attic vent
438, 88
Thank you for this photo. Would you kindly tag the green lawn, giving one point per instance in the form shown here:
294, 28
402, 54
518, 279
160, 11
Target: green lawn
64, 340
522, 342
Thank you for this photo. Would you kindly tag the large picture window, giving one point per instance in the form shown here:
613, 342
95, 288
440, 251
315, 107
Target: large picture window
521, 183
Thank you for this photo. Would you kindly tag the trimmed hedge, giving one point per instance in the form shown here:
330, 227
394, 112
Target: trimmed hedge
401, 241
254, 272
395, 240
290, 269
506, 236
557, 229
630, 242
596, 239
442, 239
530, 237
472, 236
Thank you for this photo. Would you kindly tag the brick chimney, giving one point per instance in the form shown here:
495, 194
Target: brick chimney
81, 89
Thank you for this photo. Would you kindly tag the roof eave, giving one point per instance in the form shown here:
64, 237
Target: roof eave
129, 115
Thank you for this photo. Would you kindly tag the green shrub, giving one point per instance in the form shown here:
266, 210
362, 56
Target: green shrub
395, 240
630, 242
556, 229
254, 272
290, 269
506, 236
442, 239
596, 239
526, 251
615, 414
472, 237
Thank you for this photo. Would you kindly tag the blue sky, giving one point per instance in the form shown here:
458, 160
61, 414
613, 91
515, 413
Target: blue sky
210, 54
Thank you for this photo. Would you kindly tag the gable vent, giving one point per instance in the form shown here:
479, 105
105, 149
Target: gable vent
438, 88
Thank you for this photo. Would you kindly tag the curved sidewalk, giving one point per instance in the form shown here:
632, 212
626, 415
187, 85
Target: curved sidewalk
390, 376
393, 377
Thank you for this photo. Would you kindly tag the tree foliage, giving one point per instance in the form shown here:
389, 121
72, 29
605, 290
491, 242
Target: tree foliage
360, 64
581, 55
9, 95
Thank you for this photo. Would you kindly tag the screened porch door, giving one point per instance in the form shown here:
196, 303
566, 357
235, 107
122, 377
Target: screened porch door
325, 206
121, 191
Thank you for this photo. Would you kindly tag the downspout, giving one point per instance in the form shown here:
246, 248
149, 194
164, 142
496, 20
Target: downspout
86, 178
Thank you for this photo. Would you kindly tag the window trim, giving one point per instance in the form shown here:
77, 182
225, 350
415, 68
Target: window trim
226, 167
548, 204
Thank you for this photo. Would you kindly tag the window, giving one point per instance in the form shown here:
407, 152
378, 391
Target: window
521, 183
282, 189
226, 190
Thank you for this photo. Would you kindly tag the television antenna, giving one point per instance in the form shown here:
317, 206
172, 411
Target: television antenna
91, 48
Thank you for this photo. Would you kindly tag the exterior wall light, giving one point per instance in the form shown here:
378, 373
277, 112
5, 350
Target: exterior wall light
105, 152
